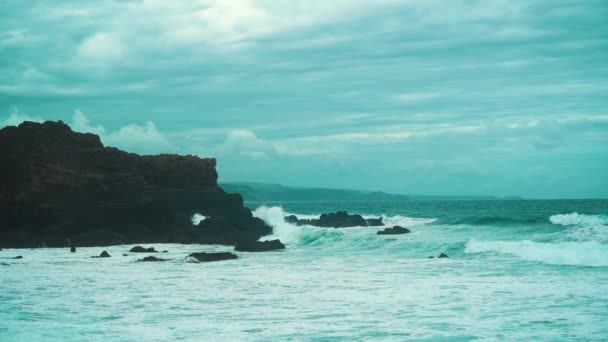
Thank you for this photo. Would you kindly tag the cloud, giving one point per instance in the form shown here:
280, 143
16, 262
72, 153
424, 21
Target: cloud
101, 47
144, 138
15, 118
412, 97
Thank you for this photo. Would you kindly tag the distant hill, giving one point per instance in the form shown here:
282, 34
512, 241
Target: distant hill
279, 193
259, 192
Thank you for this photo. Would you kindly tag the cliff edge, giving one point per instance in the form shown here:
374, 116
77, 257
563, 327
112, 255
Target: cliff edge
60, 188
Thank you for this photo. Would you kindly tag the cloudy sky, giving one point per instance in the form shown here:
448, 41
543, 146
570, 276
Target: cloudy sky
413, 96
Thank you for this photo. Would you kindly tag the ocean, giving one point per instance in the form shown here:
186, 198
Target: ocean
517, 271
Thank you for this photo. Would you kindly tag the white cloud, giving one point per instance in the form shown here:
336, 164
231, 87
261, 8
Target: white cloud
80, 123
145, 138
16, 118
101, 47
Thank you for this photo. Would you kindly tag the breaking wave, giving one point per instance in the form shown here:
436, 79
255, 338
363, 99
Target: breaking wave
588, 253
578, 219
307, 235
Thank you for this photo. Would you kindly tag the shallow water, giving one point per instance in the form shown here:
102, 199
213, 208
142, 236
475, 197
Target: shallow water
517, 271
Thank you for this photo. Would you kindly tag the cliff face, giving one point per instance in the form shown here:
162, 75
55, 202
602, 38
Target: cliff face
58, 187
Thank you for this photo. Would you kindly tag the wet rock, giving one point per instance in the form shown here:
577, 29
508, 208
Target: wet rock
394, 231
140, 249
207, 257
443, 255
4, 264
125, 254
374, 222
152, 258
103, 254
291, 219
18, 257
165, 251
340, 219
431, 257
259, 246
73, 249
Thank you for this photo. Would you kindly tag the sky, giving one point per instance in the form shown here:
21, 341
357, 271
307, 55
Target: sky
437, 97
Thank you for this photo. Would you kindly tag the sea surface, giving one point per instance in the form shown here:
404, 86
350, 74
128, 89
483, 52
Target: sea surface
517, 271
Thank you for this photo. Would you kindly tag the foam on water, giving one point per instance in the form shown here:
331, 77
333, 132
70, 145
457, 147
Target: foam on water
363, 237
563, 253
578, 219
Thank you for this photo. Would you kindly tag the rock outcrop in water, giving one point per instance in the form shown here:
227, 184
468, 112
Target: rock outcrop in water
259, 246
396, 230
59, 188
140, 249
208, 257
340, 219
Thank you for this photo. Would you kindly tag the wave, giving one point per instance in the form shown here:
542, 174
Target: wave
578, 219
493, 220
304, 235
589, 253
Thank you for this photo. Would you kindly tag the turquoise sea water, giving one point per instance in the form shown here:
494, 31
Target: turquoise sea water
518, 270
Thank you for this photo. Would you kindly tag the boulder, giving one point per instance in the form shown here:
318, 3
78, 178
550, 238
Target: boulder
140, 249
207, 257
103, 254
152, 258
73, 249
394, 231
259, 246
18, 257
443, 255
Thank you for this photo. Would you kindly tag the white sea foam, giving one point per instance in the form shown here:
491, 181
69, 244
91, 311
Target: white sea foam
578, 219
583, 227
588, 253
197, 218
275, 217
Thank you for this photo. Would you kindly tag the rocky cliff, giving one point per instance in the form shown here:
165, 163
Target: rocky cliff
60, 188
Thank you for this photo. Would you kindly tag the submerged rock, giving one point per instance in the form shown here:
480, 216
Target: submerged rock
207, 257
259, 246
443, 255
18, 257
140, 249
393, 231
4, 264
152, 258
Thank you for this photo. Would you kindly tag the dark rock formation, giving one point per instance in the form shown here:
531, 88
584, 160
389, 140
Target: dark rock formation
152, 258
443, 255
73, 249
18, 257
259, 246
60, 188
206, 257
393, 231
374, 222
103, 254
340, 219
140, 249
